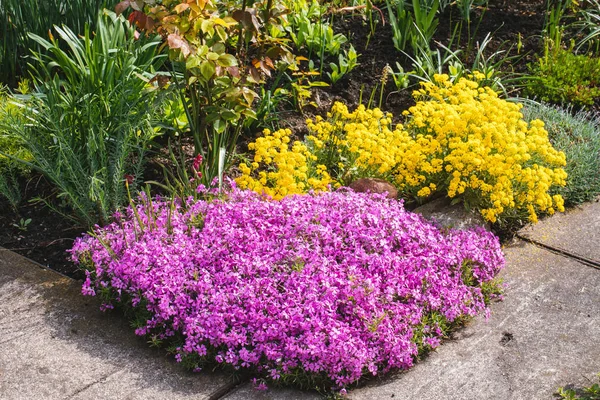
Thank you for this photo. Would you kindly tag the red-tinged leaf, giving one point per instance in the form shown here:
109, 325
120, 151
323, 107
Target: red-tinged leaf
269, 63
179, 8
234, 71
122, 6
265, 69
254, 75
150, 24
177, 42
161, 80
247, 18
139, 19
238, 15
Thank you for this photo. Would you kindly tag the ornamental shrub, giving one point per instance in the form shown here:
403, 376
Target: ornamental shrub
565, 78
460, 139
323, 288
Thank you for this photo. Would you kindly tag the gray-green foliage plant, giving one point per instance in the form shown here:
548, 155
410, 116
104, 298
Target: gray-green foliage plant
88, 122
578, 135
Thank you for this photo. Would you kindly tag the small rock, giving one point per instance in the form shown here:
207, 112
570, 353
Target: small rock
451, 216
374, 185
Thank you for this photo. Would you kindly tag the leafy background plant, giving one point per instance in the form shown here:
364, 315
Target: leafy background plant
562, 77
38, 17
88, 122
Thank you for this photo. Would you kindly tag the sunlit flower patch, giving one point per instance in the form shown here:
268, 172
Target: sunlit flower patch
334, 285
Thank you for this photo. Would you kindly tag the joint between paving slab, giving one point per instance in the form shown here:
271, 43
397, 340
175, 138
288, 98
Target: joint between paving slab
565, 253
101, 380
227, 389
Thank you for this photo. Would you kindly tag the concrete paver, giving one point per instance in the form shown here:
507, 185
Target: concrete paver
56, 344
576, 231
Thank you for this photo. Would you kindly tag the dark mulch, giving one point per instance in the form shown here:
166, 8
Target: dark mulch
47, 237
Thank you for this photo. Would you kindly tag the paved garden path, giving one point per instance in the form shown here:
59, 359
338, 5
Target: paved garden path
55, 344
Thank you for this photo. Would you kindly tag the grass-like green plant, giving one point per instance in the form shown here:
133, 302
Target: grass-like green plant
589, 26
565, 78
449, 60
37, 16
578, 135
88, 122
401, 21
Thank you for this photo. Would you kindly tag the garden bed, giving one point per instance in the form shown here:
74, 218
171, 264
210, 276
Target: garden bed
46, 237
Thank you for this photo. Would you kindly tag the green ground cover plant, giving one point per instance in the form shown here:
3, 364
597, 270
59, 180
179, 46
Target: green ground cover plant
11, 147
591, 392
562, 77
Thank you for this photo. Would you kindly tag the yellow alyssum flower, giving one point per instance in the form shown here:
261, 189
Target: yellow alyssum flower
279, 170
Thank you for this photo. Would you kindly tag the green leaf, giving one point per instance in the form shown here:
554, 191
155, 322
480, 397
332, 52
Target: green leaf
220, 126
227, 60
207, 69
192, 62
229, 115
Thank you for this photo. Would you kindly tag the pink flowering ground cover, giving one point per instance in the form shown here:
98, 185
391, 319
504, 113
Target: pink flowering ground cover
325, 287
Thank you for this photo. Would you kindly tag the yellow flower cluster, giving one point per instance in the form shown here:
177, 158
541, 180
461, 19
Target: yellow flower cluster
278, 170
471, 143
460, 138
357, 144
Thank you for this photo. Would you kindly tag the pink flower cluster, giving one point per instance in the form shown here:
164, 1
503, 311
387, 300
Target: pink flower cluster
333, 284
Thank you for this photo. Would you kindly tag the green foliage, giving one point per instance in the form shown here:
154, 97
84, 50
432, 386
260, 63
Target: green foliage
401, 21
346, 63
589, 26
414, 25
562, 77
221, 52
465, 7
88, 123
445, 59
591, 392
309, 28
11, 147
37, 16
578, 135
554, 23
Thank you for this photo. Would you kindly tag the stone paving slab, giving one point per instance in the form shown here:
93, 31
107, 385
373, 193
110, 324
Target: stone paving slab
247, 391
56, 344
545, 334
576, 231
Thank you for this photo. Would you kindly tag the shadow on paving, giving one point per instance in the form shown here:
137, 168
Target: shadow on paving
56, 344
